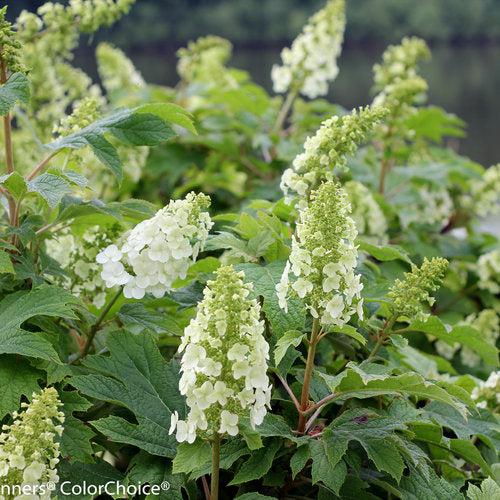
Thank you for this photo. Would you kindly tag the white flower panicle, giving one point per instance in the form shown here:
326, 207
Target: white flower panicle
336, 139
311, 62
396, 80
158, 251
321, 265
224, 361
76, 254
204, 59
488, 270
117, 72
432, 206
28, 450
368, 216
484, 196
487, 394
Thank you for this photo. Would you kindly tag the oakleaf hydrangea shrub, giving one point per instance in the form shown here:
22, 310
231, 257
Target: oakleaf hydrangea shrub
243, 294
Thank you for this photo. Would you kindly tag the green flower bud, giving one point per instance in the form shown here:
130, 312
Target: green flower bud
410, 295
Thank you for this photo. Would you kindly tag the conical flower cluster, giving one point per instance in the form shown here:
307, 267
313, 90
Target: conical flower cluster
336, 139
10, 46
204, 58
28, 451
117, 72
224, 361
368, 216
311, 62
159, 250
396, 78
488, 270
410, 295
321, 265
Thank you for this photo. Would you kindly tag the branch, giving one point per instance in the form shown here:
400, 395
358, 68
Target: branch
290, 392
41, 166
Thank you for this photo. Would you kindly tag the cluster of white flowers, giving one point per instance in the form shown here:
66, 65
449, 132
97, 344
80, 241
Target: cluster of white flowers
28, 452
336, 139
433, 206
396, 78
224, 361
323, 259
484, 195
204, 59
311, 62
366, 212
487, 323
487, 394
158, 251
488, 270
76, 254
117, 72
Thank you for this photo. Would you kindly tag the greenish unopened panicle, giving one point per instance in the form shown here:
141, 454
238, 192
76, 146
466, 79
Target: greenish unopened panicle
10, 46
410, 295
336, 139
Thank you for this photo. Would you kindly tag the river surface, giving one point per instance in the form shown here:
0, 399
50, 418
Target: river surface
463, 80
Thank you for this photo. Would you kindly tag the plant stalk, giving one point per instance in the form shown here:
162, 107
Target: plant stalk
214, 481
95, 327
304, 398
9, 155
283, 113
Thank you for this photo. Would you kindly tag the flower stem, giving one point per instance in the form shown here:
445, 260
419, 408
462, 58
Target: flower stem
283, 113
214, 481
382, 337
304, 398
95, 327
9, 155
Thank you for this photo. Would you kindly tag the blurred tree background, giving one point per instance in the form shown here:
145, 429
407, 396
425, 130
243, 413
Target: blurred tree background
464, 74
275, 21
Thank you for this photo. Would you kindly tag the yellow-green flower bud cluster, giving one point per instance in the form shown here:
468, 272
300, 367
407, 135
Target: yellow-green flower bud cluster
399, 88
29, 452
76, 254
488, 270
399, 62
224, 361
487, 394
117, 72
84, 113
323, 259
368, 216
336, 139
311, 62
203, 59
410, 295
9, 45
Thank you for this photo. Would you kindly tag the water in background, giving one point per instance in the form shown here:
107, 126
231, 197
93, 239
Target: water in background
463, 80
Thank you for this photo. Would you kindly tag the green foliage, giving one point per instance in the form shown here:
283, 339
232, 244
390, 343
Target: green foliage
398, 399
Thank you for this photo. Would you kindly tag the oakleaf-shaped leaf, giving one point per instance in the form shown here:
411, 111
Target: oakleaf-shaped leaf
135, 376
15, 309
15, 89
354, 382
